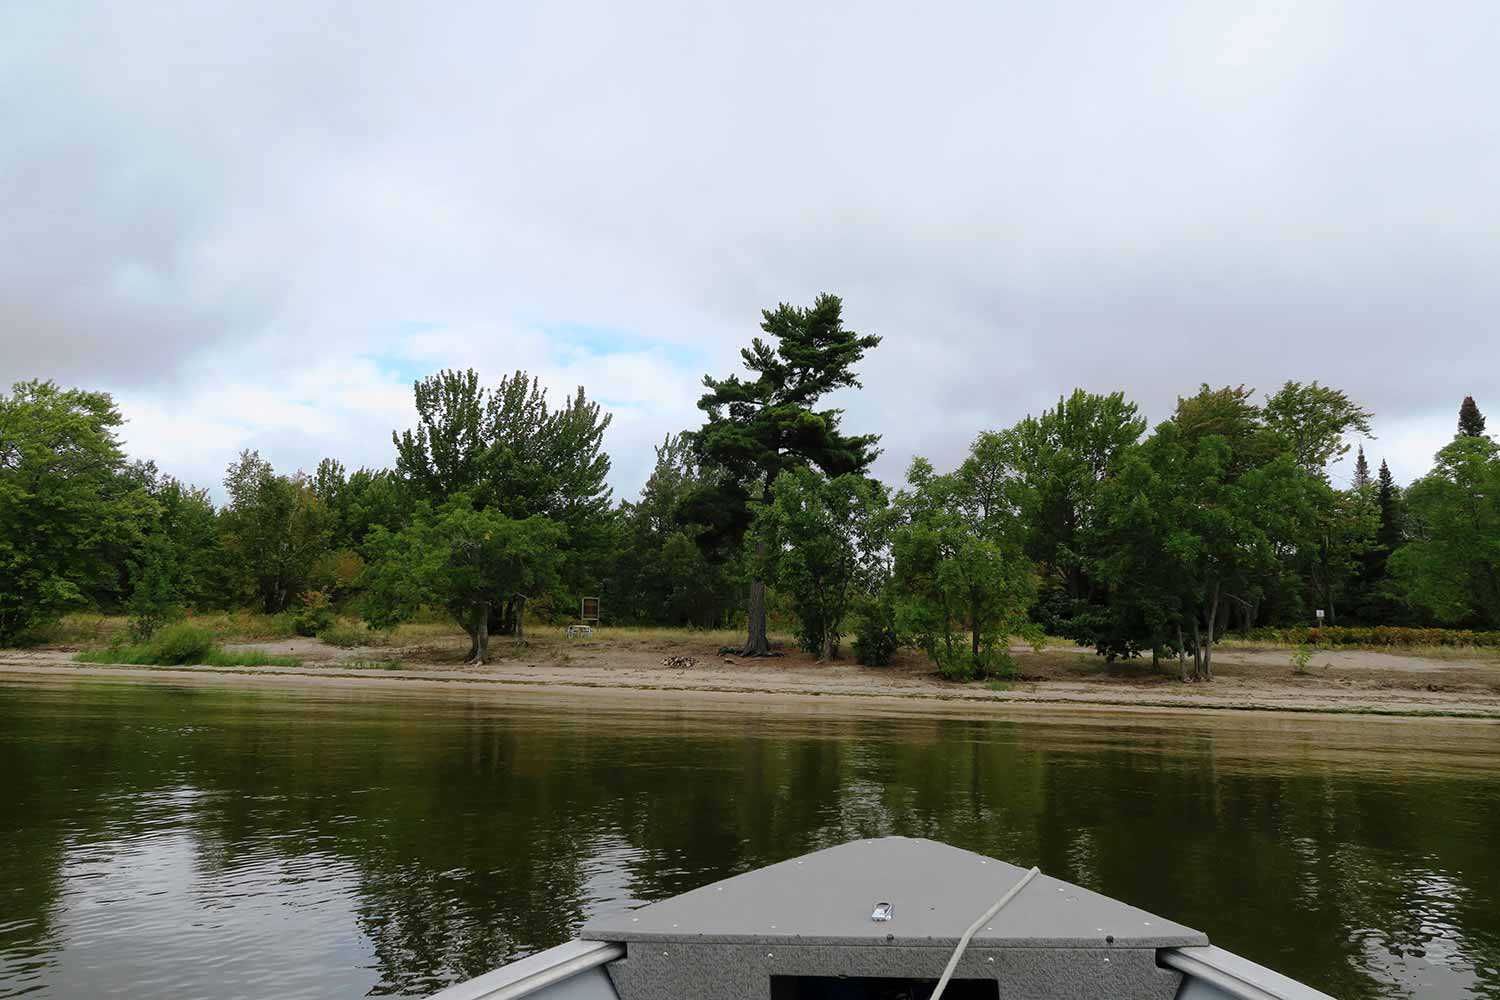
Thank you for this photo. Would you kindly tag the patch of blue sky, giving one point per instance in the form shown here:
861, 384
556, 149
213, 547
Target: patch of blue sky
603, 341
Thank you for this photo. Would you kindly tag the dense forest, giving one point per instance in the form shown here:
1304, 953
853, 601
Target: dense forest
1080, 521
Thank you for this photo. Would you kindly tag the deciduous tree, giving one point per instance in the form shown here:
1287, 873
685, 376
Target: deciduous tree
68, 512
1451, 563
817, 541
463, 559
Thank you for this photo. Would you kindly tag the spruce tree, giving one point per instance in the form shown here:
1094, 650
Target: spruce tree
758, 428
1389, 498
1361, 470
1470, 420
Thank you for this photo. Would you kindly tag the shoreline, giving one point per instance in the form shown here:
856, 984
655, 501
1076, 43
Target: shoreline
762, 688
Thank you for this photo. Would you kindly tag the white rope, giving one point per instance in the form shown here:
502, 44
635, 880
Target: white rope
984, 918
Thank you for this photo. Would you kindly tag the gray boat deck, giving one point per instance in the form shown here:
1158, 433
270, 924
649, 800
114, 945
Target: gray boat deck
936, 891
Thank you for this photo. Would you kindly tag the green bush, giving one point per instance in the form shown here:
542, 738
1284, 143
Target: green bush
960, 664
875, 638
177, 644
314, 614
1376, 636
184, 645
350, 636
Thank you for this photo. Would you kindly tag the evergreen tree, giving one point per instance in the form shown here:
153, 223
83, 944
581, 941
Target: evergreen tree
758, 428
1361, 470
1388, 495
1470, 420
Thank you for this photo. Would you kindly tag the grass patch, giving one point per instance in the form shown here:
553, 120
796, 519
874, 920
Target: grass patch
183, 645
352, 636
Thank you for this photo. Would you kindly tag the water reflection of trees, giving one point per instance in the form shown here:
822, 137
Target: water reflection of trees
481, 833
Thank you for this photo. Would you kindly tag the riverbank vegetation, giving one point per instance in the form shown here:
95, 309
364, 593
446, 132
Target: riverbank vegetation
1081, 522
183, 644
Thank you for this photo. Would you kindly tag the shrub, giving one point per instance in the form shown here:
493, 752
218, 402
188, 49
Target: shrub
875, 638
177, 644
314, 614
1377, 636
154, 602
349, 636
960, 665
1300, 656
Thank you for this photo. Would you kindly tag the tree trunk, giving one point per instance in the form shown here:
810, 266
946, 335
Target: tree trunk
1155, 657
520, 630
974, 630
1213, 619
1181, 652
827, 653
481, 635
1197, 650
756, 643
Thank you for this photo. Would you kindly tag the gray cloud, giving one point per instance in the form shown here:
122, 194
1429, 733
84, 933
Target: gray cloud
1020, 199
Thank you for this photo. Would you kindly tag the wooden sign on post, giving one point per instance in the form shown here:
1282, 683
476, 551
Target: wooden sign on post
589, 612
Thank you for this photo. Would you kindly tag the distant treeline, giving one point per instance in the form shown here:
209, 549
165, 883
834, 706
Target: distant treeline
1080, 521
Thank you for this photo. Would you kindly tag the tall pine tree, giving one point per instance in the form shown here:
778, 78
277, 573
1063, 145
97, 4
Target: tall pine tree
1361, 470
1470, 420
757, 428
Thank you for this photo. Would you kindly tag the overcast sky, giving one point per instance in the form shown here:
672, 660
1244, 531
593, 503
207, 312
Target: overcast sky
255, 223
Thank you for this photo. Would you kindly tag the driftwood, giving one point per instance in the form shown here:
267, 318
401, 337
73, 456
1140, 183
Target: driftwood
679, 662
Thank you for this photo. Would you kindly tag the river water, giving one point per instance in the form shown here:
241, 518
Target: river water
228, 841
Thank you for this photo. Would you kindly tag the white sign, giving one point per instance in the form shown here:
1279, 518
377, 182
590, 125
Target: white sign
1320, 614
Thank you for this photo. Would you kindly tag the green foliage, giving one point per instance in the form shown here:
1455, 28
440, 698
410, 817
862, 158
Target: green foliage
1451, 564
873, 618
275, 530
313, 614
1377, 637
350, 637
1313, 420
507, 450
1046, 472
155, 600
460, 559
1470, 420
955, 571
817, 541
755, 429
661, 574
183, 645
1300, 656
69, 512
1196, 517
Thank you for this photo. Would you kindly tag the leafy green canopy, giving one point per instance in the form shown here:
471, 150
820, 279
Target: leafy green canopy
507, 450
275, 529
756, 428
1195, 518
818, 542
460, 558
957, 572
1451, 564
1046, 473
69, 513
661, 575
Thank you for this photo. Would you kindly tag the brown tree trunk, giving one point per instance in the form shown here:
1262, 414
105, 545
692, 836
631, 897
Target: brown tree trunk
1181, 652
1197, 650
520, 617
756, 643
1213, 619
482, 635
827, 653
